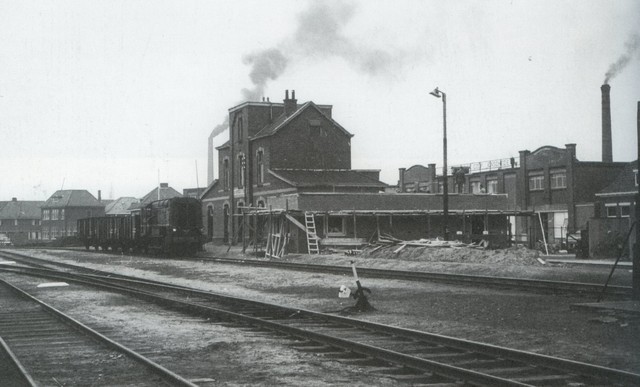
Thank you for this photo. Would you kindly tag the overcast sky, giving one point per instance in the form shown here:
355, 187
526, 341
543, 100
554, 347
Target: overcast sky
116, 95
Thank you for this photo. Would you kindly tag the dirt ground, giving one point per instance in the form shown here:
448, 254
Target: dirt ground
538, 323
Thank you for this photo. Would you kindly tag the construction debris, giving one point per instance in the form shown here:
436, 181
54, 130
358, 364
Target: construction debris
388, 240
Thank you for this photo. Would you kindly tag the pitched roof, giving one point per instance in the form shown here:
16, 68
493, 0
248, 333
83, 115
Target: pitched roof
282, 120
625, 182
326, 178
21, 210
120, 206
72, 198
209, 188
166, 192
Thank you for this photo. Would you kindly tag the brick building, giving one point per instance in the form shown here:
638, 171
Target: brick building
550, 183
290, 164
20, 221
615, 210
62, 210
276, 149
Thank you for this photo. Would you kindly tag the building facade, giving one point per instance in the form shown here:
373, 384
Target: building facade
614, 215
60, 213
276, 149
550, 183
20, 221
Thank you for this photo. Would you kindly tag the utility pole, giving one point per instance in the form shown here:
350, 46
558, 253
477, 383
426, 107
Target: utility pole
636, 245
445, 183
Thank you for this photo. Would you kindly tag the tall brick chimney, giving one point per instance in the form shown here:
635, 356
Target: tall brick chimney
607, 153
290, 105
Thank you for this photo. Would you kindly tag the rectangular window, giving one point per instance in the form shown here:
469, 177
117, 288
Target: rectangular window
45, 214
625, 209
612, 210
315, 127
54, 214
15, 222
336, 226
476, 187
536, 183
492, 186
62, 214
558, 179
635, 174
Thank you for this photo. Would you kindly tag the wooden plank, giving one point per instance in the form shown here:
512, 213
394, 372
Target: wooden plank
396, 251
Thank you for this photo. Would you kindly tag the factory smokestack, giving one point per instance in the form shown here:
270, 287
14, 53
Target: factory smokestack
607, 153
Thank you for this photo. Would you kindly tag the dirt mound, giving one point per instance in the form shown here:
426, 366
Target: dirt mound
508, 256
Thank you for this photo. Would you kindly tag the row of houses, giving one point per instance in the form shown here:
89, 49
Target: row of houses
290, 163
32, 222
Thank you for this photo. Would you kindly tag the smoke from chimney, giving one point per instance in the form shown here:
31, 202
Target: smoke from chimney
631, 46
607, 152
265, 65
319, 34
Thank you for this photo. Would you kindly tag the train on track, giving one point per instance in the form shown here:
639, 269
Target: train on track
170, 227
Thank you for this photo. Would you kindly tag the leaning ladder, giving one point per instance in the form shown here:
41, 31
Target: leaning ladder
312, 237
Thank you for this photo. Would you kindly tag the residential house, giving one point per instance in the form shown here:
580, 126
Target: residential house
62, 210
20, 221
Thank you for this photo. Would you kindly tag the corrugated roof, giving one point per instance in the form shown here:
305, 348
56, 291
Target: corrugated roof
625, 182
326, 178
72, 198
21, 210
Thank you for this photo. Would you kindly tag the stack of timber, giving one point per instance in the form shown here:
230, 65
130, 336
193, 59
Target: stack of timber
278, 238
386, 240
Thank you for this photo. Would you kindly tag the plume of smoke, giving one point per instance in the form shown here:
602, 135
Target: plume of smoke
631, 47
266, 65
220, 128
320, 34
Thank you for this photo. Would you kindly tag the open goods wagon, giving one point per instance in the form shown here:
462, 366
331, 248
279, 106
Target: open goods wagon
170, 226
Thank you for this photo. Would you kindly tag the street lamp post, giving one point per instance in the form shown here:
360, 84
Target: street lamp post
445, 183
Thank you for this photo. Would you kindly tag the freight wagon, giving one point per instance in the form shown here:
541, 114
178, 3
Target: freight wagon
170, 226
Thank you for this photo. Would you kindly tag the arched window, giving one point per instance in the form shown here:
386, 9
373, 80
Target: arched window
242, 166
210, 221
260, 166
226, 176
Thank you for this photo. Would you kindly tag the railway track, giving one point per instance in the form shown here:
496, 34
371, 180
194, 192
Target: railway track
410, 356
44, 346
541, 286
12, 371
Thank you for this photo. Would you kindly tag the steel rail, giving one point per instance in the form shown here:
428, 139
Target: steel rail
545, 286
550, 362
15, 373
157, 369
498, 282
